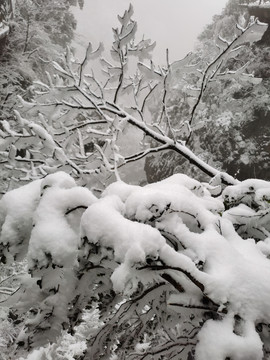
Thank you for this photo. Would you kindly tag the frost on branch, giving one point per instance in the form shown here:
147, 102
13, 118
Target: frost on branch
76, 121
167, 265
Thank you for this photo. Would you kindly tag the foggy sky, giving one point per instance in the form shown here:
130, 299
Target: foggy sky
173, 24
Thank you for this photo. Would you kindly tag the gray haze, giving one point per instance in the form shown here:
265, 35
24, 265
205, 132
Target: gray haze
173, 24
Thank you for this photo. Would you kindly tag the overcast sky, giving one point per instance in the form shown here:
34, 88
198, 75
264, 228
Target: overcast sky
173, 24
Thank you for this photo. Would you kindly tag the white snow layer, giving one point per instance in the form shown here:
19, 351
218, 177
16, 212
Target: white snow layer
131, 223
16, 213
218, 341
55, 235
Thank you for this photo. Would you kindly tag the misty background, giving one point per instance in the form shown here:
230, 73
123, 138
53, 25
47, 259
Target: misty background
173, 24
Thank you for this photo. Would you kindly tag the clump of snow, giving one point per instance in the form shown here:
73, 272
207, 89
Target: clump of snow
172, 231
248, 204
52, 258
142, 346
121, 189
180, 179
152, 201
244, 192
218, 341
54, 238
228, 260
103, 223
262, 197
59, 179
230, 265
237, 268
16, 213
17, 209
241, 215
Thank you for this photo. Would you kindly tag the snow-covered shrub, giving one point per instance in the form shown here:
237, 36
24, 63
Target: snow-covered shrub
166, 265
168, 270
43, 217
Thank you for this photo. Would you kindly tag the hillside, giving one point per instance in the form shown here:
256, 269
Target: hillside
231, 128
38, 33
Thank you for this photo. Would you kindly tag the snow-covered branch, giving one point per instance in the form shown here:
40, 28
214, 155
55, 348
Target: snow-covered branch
76, 100
226, 52
116, 253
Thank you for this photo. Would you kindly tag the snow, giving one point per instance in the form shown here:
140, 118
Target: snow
103, 223
218, 341
174, 194
173, 227
241, 214
16, 212
55, 236
179, 207
43, 202
245, 191
59, 179
231, 265
121, 189
237, 269
264, 5
224, 256
180, 179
